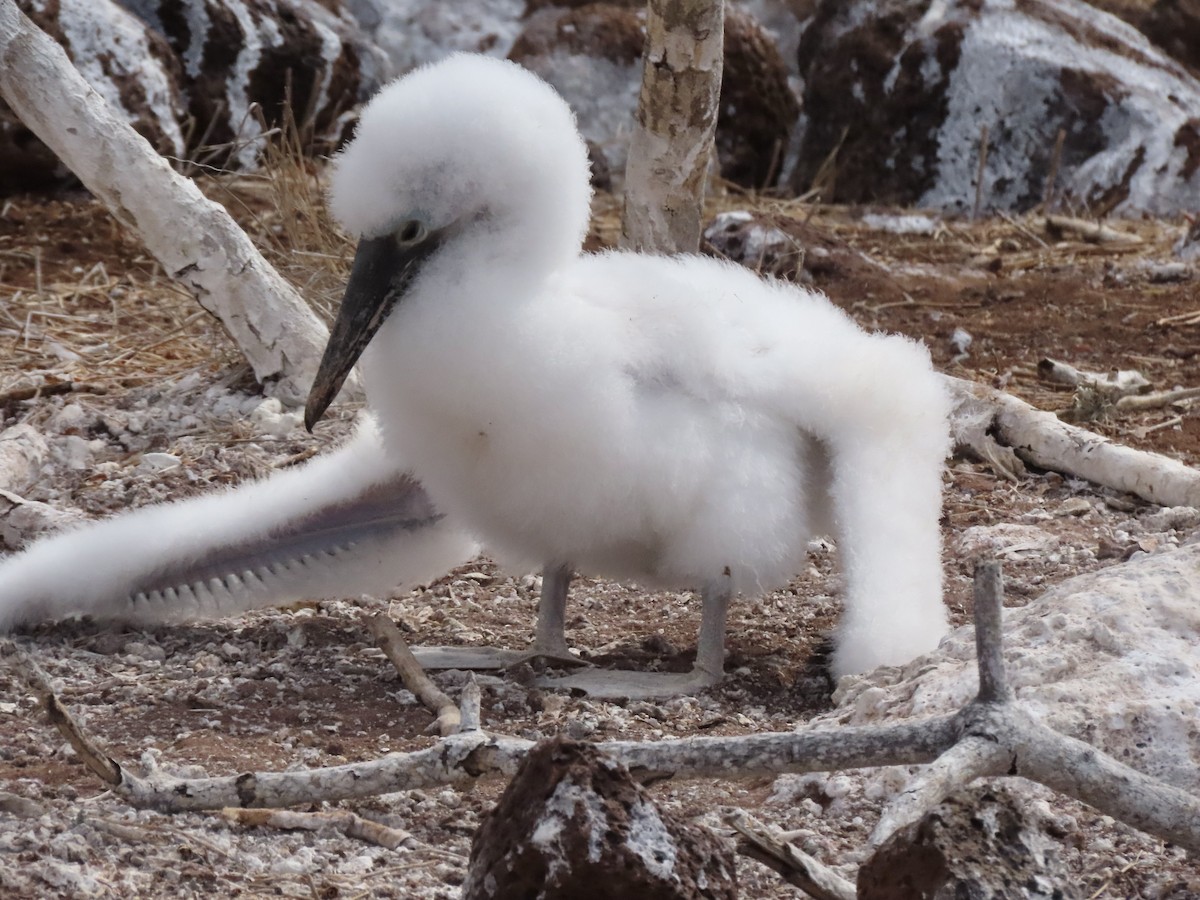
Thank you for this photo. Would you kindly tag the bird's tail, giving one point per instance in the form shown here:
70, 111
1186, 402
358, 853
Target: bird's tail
343, 524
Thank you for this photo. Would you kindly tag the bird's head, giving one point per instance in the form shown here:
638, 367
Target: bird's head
462, 148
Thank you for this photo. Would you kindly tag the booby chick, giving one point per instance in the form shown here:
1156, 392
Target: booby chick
679, 422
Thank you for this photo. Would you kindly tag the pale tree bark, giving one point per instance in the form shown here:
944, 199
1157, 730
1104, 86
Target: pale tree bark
672, 141
194, 239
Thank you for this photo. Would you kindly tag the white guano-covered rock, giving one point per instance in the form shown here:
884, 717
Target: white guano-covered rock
900, 92
1111, 658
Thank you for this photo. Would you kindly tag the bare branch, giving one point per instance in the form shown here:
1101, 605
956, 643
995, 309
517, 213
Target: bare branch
393, 644
194, 239
989, 648
101, 764
797, 867
1042, 439
1092, 232
992, 735
1081, 771
972, 757
1121, 383
350, 824
1136, 403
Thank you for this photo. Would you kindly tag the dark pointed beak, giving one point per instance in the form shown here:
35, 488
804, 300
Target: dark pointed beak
383, 270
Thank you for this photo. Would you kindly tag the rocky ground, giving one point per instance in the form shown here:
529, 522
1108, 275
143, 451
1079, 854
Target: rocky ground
143, 399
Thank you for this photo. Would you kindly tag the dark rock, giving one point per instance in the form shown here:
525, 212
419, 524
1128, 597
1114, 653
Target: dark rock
1173, 25
591, 53
758, 110
211, 72
132, 69
242, 59
898, 91
573, 825
978, 843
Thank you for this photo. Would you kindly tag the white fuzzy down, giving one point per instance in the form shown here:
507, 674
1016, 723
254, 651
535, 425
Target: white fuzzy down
663, 420
674, 421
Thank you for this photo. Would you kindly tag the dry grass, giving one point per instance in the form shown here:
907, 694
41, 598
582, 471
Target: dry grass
70, 328
283, 209
94, 314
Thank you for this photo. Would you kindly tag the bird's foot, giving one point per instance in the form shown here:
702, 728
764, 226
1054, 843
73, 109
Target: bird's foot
621, 683
549, 656
489, 658
467, 657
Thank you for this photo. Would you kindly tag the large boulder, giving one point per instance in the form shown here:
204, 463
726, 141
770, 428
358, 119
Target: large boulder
897, 93
203, 74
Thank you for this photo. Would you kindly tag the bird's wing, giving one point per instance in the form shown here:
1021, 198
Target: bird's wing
712, 330
346, 523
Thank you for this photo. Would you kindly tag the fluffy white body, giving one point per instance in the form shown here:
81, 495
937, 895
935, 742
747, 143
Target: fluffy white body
676, 421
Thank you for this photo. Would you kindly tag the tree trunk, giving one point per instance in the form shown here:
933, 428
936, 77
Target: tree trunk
672, 141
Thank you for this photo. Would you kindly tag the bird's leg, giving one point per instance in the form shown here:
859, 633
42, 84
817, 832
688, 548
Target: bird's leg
549, 643
708, 670
551, 635
710, 646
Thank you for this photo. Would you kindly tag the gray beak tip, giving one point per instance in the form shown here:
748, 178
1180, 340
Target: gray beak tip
313, 410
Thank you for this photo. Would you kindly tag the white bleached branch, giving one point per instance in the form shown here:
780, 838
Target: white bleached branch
988, 736
350, 824
449, 719
194, 239
795, 866
1005, 431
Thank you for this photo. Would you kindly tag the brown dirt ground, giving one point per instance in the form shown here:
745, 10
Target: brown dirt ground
80, 302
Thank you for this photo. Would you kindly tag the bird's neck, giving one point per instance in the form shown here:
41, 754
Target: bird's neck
502, 260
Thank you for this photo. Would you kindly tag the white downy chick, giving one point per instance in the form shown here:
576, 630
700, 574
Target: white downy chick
675, 421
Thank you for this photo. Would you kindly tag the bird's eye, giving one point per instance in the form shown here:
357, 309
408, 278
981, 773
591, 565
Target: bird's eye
410, 232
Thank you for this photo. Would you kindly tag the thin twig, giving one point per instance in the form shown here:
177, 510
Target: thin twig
981, 171
1052, 177
350, 824
797, 867
17, 395
1156, 400
103, 766
1092, 232
393, 644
